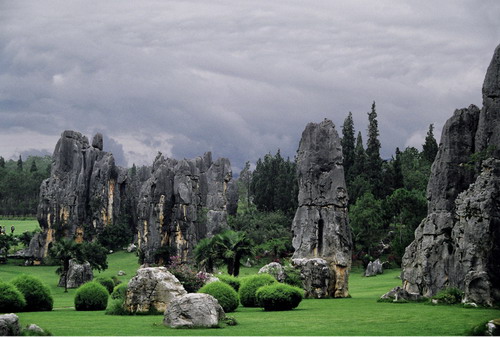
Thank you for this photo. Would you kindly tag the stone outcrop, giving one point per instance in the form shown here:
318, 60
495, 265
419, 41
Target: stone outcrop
181, 203
152, 289
320, 227
174, 203
194, 310
316, 276
458, 243
82, 195
9, 325
275, 269
78, 274
374, 268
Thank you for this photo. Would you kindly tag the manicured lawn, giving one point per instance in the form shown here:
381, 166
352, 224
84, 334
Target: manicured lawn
20, 225
359, 315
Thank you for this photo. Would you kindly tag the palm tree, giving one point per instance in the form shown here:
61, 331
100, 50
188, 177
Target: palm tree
63, 251
231, 247
205, 254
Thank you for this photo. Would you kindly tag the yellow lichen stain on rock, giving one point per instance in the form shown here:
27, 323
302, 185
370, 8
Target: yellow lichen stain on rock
341, 280
48, 241
146, 232
161, 206
111, 198
315, 252
180, 243
184, 208
79, 234
64, 215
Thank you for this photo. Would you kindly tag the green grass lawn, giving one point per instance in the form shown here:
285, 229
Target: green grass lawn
359, 315
20, 225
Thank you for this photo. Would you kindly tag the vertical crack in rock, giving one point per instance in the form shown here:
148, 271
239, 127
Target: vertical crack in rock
320, 227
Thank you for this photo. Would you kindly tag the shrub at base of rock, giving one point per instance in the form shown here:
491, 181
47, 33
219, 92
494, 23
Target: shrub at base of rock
36, 293
448, 296
279, 296
194, 310
106, 282
223, 293
120, 291
78, 274
231, 280
152, 290
249, 287
91, 296
11, 299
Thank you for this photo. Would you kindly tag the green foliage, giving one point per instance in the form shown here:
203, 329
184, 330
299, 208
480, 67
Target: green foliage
116, 236
26, 237
120, 291
186, 274
161, 256
36, 293
91, 296
274, 184
366, 222
205, 255
6, 241
292, 276
279, 296
249, 286
231, 280
373, 160
348, 145
107, 282
224, 293
116, 307
449, 295
11, 299
430, 147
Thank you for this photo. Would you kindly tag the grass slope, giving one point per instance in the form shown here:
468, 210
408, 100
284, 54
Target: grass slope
20, 225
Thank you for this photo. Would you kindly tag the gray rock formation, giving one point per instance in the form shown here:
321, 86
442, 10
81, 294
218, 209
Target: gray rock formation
152, 289
78, 274
316, 277
194, 310
320, 227
9, 325
181, 203
82, 195
275, 269
374, 268
457, 244
398, 294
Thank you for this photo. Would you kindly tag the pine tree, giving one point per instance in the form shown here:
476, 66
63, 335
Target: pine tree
358, 167
348, 145
373, 160
398, 172
2, 162
33, 167
430, 148
20, 164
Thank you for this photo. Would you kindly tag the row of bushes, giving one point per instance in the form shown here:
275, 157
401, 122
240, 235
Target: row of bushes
25, 293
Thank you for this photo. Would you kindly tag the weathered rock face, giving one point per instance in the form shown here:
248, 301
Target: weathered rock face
457, 244
275, 269
152, 289
9, 325
194, 310
181, 203
78, 274
82, 195
320, 227
318, 280
374, 268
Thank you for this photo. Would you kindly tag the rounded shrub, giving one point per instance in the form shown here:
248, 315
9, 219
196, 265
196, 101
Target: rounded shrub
249, 286
279, 296
36, 293
120, 291
91, 296
11, 299
107, 282
224, 293
449, 296
231, 280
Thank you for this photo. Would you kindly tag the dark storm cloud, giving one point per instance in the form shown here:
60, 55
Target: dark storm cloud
240, 78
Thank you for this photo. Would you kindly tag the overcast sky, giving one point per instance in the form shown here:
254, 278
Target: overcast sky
238, 78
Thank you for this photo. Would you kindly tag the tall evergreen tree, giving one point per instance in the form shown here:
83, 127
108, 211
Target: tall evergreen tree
348, 145
33, 167
358, 167
430, 148
398, 171
373, 160
20, 164
2, 162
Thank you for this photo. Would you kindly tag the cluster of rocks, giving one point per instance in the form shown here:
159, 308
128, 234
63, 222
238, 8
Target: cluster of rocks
374, 268
321, 234
173, 203
457, 244
9, 326
76, 275
157, 290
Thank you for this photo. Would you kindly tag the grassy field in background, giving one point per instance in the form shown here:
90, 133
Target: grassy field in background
359, 315
20, 225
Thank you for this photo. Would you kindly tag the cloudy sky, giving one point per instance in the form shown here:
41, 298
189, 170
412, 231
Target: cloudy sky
238, 78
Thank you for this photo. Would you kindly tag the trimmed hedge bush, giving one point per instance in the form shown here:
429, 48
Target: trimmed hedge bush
36, 293
249, 286
107, 282
11, 299
449, 296
224, 293
279, 296
91, 296
231, 280
120, 291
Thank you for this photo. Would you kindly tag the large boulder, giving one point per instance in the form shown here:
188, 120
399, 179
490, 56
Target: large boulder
320, 226
317, 278
457, 244
275, 269
152, 289
374, 268
194, 310
77, 275
9, 325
